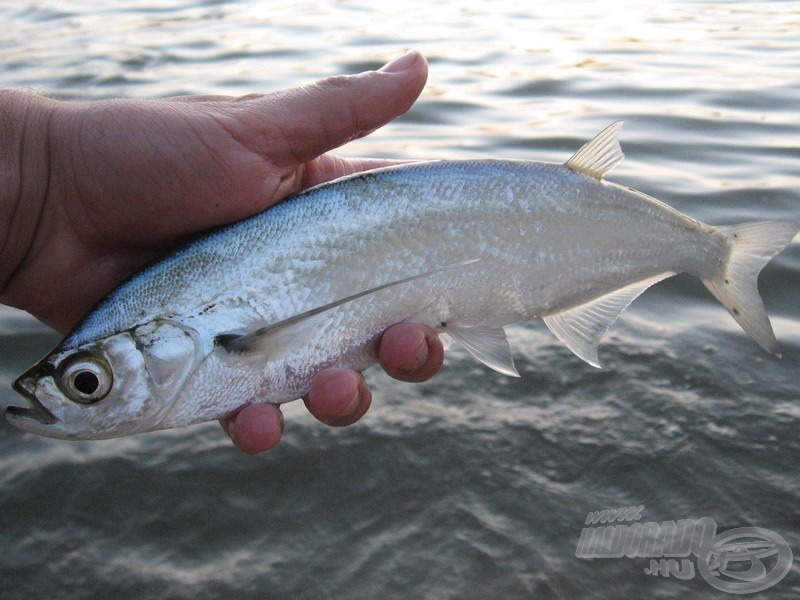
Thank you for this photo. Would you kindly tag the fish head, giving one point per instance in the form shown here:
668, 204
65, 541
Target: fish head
118, 385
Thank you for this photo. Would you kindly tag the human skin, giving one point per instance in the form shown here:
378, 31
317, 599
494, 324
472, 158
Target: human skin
93, 191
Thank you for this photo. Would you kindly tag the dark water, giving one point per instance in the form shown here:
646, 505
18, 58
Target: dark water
473, 485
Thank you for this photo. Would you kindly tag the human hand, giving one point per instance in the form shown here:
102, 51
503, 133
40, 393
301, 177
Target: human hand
96, 190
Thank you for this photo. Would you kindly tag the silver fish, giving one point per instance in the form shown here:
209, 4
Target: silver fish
250, 313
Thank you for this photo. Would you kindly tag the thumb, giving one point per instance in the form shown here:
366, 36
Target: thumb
305, 122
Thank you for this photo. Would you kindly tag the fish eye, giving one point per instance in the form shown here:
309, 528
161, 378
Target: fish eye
86, 379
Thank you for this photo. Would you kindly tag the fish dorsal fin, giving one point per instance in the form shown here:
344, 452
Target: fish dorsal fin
488, 344
599, 155
583, 327
284, 336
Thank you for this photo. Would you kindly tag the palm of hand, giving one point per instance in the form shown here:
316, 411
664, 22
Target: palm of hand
148, 173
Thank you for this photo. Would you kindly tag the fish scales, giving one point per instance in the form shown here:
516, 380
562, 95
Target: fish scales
253, 311
364, 231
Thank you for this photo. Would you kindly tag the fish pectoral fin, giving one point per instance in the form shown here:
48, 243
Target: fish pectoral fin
583, 327
269, 342
597, 157
282, 337
488, 344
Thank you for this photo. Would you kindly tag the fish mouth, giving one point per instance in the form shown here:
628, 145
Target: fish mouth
35, 409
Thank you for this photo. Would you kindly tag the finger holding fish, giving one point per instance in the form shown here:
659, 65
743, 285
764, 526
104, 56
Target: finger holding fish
255, 428
411, 352
338, 397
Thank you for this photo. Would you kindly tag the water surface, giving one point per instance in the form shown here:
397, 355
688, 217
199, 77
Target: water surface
473, 485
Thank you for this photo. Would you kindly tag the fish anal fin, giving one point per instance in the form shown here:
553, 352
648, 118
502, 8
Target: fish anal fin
487, 344
583, 327
600, 155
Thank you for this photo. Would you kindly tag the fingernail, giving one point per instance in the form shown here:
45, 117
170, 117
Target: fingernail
421, 355
401, 63
343, 418
352, 407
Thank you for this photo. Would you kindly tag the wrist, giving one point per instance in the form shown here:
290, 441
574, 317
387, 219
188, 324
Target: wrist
24, 177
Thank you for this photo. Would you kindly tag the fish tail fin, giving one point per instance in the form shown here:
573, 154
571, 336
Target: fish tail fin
736, 286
